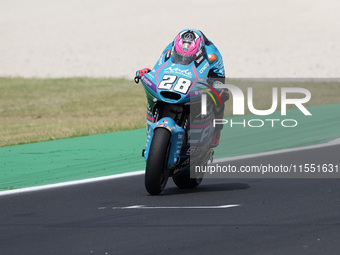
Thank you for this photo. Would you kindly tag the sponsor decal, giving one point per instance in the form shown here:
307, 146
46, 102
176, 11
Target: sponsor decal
148, 82
203, 68
199, 60
167, 56
189, 36
199, 53
176, 70
160, 61
153, 77
186, 46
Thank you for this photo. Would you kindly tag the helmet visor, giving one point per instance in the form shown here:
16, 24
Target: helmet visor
182, 59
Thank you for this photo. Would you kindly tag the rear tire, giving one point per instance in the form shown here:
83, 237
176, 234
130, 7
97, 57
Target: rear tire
156, 172
184, 181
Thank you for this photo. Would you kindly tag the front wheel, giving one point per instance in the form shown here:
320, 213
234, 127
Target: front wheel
156, 173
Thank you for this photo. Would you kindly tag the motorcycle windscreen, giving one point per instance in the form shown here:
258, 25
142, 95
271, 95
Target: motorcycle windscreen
182, 59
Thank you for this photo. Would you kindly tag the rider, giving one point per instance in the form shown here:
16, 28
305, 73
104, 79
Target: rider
192, 45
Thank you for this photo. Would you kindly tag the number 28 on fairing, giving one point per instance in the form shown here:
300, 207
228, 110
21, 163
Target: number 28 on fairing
182, 85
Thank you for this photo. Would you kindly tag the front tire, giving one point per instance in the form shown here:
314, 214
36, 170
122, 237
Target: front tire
156, 173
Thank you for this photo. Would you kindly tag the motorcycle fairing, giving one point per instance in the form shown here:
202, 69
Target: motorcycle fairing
175, 83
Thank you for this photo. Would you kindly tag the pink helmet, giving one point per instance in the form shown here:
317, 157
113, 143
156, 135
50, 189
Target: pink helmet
187, 45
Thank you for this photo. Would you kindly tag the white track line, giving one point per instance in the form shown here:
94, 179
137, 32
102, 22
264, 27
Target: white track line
175, 207
70, 183
116, 176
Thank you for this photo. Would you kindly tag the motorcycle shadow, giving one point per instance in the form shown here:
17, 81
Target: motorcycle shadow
203, 188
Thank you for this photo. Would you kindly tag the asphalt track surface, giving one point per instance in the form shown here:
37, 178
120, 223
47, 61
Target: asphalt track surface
274, 216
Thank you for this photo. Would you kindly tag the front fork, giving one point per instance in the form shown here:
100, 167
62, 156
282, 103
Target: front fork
176, 140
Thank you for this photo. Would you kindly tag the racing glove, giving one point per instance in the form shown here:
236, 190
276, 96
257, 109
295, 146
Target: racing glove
223, 93
140, 73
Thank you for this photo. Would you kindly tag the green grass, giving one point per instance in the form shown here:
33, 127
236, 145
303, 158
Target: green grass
33, 110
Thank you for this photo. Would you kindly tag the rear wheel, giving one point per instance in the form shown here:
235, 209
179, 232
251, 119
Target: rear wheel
183, 181
156, 172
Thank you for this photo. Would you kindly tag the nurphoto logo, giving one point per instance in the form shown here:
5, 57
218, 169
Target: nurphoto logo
239, 105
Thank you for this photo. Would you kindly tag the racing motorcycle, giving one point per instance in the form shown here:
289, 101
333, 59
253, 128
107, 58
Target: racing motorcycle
179, 135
